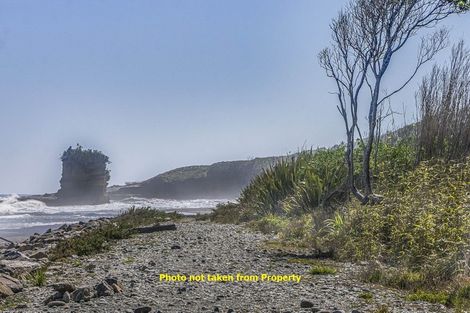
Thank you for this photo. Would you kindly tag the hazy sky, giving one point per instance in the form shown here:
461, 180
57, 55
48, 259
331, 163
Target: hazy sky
161, 84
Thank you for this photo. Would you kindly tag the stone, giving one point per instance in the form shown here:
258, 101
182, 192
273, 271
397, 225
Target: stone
14, 284
39, 255
13, 254
66, 297
104, 289
111, 280
56, 304
63, 287
5, 291
306, 304
144, 309
19, 267
81, 294
174, 247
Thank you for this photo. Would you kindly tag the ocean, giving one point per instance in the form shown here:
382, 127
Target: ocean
20, 219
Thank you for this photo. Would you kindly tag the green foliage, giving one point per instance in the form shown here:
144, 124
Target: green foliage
460, 298
297, 185
462, 5
394, 277
420, 229
366, 295
428, 296
322, 270
226, 213
87, 159
38, 277
97, 240
270, 223
423, 222
382, 309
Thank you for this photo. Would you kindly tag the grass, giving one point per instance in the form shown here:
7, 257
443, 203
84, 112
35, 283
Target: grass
98, 239
366, 295
317, 267
429, 296
226, 213
322, 270
38, 277
129, 260
395, 278
383, 309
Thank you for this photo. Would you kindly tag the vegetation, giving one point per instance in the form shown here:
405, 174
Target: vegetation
87, 159
38, 277
366, 36
366, 296
98, 239
322, 270
420, 229
444, 106
416, 235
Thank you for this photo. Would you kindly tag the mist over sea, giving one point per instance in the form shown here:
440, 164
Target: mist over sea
20, 219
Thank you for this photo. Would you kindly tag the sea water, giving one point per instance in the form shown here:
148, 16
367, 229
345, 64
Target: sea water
19, 219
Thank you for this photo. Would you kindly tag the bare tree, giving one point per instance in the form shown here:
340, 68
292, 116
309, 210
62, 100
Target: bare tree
365, 38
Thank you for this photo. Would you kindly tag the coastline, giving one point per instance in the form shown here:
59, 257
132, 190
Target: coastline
203, 247
21, 219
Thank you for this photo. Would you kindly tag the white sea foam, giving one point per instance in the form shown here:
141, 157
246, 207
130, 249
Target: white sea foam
16, 214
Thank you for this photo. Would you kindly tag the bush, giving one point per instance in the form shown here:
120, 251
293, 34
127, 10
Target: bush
422, 224
298, 185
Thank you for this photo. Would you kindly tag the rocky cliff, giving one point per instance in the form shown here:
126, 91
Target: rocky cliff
84, 179
219, 180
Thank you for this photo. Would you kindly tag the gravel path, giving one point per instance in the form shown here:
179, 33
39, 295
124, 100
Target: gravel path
207, 248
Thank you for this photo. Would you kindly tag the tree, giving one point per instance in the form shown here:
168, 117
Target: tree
462, 5
366, 36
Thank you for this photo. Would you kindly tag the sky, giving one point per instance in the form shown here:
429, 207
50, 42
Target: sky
157, 85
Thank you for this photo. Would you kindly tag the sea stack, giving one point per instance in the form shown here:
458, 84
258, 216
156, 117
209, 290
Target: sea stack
84, 177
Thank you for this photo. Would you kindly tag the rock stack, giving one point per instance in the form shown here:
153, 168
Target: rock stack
84, 177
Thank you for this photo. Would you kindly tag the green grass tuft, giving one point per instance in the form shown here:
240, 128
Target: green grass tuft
366, 295
322, 270
429, 296
38, 277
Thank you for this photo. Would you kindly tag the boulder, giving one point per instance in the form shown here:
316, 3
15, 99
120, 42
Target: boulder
104, 289
81, 294
18, 267
14, 284
63, 287
5, 291
55, 303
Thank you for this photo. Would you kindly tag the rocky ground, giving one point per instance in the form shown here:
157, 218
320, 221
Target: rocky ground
127, 279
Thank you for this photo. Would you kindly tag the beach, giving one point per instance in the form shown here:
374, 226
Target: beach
21, 219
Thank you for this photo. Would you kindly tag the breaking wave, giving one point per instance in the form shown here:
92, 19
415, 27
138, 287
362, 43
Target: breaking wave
16, 214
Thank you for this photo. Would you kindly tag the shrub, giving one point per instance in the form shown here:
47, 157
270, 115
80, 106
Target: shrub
422, 224
298, 185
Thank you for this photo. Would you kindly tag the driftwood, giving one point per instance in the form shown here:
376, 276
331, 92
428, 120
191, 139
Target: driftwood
1, 238
154, 228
